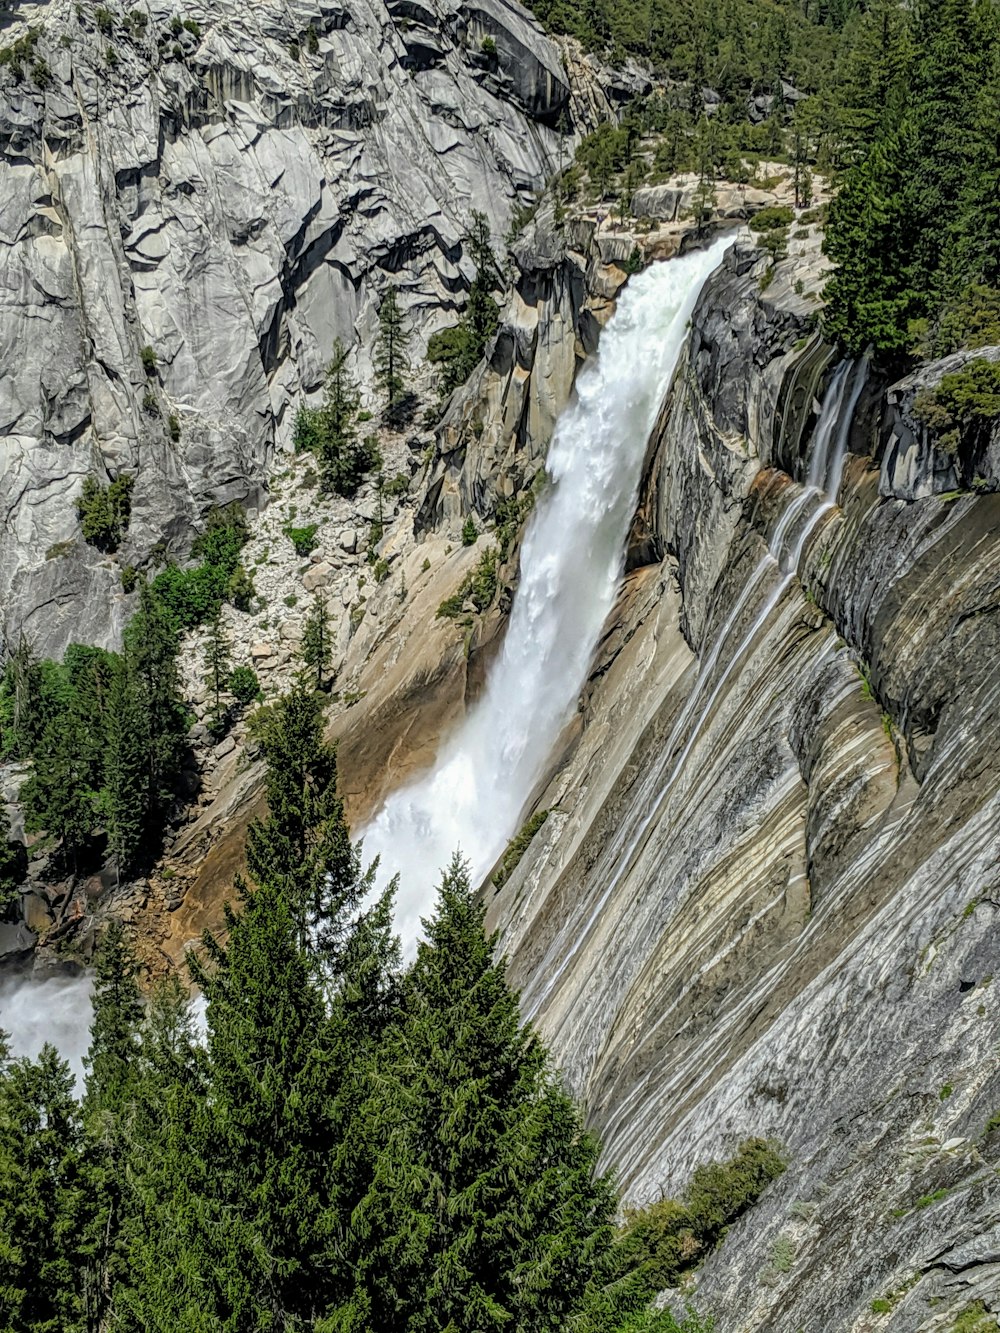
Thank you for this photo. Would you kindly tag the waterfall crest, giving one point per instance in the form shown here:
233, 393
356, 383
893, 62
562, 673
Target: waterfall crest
571, 565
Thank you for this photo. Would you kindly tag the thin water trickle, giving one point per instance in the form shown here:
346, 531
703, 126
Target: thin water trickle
571, 565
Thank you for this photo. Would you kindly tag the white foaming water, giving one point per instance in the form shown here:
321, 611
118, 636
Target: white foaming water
571, 565
56, 1010
828, 454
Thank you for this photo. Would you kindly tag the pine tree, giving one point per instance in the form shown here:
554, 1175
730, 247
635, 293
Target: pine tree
218, 664
303, 848
110, 1093
390, 350
484, 1212
58, 798
316, 647
40, 1195
13, 867
171, 1225
126, 790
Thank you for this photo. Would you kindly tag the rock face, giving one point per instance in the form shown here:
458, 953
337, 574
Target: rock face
766, 898
232, 187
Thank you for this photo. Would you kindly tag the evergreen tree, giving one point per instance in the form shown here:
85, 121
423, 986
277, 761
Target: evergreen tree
171, 1222
147, 723
390, 350
459, 350
13, 867
303, 847
125, 791
218, 664
40, 1195
58, 798
110, 1093
316, 640
484, 1212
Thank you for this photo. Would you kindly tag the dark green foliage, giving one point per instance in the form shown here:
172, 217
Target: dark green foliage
147, 355
772, 219
218, 663
356, 1148
41, 1195
129, 578
21, 52
658, 1244
317, 641
734, 48
146, 727
13, 867
194, 595
913, 228
331, 431
459, 350
470, 533
303, 539
517, 846
64, 716
389, 355
964, 405
244, 685
484, 1212
104, 511
479, 587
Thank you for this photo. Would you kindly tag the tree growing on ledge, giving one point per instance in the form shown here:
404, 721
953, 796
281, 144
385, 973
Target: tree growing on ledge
331, 431
391, 365
459, 349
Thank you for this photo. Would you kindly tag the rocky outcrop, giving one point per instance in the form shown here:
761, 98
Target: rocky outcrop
232, 188
766, 896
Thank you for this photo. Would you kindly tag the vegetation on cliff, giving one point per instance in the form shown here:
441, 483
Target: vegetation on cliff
915, 227
352, 1146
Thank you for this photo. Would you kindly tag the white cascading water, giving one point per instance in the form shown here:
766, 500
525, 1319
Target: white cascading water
827, 456
571, 565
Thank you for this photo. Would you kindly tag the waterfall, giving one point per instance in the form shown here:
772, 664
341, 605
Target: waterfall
571, 565
827, 456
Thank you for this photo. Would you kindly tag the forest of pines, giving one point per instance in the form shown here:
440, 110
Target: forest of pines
349, 1146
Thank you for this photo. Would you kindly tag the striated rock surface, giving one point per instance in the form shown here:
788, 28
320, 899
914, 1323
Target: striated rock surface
767, 895
234, 194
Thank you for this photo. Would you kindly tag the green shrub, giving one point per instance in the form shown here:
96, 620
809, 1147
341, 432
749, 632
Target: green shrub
483, 586
244, 685
129, 577
479, 587
193, 27
312, 39
111, 57
399, 485
149, 404
194, 595
470, 533
104, 18
772, 219
176, 26
303, 539
963, 406
104, 511
974, 1319
657, 1246
147, 356
294, 50
517, 846
174, 427
240, 588
489, 46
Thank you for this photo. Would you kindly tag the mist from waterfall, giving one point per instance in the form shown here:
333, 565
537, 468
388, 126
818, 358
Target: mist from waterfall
572, 557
